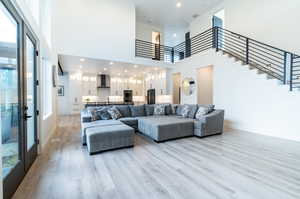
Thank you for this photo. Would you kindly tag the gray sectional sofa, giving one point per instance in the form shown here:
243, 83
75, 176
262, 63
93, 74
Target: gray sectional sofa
100, 133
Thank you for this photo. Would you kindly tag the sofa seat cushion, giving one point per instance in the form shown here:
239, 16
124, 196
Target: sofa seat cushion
162, 128
137, 111
130, 121
109, 137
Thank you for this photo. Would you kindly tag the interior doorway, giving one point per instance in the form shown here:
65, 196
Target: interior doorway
205, 85
156, 45
176, 78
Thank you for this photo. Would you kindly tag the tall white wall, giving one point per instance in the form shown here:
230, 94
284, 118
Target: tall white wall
268, 21
96, 29
251, 102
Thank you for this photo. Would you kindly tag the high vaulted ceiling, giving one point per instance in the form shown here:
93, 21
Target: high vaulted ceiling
165, 13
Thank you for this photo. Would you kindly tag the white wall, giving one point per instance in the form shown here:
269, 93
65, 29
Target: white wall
268, 21
251, 102
204, 21
96, 29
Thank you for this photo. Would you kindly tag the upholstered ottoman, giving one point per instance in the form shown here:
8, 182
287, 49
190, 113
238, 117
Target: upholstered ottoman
109, 137
163, 128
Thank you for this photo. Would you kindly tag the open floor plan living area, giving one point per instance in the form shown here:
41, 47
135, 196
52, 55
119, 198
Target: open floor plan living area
131, 99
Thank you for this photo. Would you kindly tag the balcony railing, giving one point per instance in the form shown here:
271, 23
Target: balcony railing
275, 62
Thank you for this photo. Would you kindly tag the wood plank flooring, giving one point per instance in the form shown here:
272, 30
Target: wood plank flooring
230, 166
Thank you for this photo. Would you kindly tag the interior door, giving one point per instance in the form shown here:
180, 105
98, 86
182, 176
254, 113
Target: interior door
11, 98
30, 96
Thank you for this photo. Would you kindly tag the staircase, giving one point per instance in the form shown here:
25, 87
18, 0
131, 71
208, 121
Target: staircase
274, 62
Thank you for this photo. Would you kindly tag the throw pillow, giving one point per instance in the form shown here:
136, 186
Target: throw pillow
202, 111
102, 114
159, 109
114, 113
185, 111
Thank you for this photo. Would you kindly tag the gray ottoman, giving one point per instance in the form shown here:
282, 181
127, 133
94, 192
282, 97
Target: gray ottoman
109, 137
164, 128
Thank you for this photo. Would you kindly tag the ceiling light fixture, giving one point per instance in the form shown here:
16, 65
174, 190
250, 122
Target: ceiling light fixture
178, 4
80, 66
82, 59
125, 71
104, 69
111, 63
174, 35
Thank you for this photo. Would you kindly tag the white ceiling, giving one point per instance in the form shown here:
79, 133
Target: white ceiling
164, 13
96, 66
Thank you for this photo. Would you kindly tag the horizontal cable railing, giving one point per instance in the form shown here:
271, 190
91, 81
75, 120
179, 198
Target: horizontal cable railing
275, 62
265, 58
153, 51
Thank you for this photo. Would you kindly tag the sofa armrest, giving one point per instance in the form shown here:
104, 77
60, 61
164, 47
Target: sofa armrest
86, 116
211, 123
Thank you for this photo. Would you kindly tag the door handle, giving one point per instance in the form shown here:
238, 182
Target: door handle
27, 116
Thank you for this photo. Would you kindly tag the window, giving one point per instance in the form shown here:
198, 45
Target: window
47, 87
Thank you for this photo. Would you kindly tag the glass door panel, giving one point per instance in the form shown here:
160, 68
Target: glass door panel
9, 89
30, 93
30, 117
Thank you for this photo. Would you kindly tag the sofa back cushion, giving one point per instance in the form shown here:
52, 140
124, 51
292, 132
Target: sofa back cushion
137, 111
124, 110
149, 108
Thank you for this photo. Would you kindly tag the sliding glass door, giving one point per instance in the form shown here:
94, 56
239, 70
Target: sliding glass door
18, 115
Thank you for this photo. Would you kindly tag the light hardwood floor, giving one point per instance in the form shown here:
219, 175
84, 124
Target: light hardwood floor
233, 165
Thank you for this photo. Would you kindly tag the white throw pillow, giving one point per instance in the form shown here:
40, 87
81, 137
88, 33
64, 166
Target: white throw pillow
159, 109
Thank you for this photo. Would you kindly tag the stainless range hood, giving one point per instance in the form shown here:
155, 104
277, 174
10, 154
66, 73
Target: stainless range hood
103, 81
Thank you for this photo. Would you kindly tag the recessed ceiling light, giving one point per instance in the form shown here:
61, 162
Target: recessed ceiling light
104, 69
111, 63
82, 59
135, 66
178, 4
80, 66
174, 35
